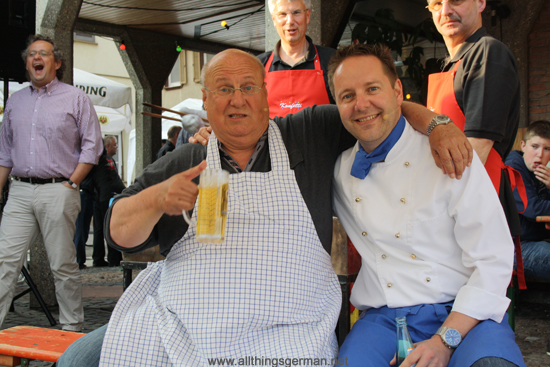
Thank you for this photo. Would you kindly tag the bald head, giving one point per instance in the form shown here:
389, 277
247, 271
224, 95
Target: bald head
229, 56
238, 119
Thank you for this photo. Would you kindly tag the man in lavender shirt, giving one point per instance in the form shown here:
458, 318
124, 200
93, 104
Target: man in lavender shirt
49, 140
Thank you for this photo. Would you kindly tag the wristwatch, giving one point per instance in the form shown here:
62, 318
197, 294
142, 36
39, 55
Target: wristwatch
75, 186
438, 120
450, 337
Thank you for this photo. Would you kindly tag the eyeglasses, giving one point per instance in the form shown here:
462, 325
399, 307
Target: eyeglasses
228, 91
436, 6
295, 14
41, 53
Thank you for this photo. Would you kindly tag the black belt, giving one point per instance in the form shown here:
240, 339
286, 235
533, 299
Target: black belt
39, 181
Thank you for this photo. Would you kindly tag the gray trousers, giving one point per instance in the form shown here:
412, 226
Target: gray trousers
50, 209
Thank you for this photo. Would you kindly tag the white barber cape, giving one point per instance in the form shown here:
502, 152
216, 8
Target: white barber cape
269, 291
424, 237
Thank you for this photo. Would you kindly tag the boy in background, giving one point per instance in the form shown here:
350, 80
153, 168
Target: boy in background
531, 164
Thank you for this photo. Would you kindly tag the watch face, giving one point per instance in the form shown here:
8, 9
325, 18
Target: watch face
452, 337
442, 119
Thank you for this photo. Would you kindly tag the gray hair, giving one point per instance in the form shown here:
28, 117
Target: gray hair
207, 66
109, 140
273, 3
57, 54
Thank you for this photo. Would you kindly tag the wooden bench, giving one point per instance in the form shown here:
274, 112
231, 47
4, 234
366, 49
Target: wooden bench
20, 344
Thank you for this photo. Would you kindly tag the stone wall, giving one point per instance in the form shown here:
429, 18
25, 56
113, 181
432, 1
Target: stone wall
539, 67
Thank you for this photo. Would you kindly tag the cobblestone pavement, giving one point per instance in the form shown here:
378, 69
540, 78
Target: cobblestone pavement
103, 286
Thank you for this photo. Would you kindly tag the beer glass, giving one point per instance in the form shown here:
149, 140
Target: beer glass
212, 207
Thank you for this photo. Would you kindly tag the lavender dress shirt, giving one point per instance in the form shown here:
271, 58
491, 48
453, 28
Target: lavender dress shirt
47, 132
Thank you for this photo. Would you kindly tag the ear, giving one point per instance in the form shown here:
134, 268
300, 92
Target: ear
204, 103
308, 15
57, 64
481, 4
522, 144
398, 89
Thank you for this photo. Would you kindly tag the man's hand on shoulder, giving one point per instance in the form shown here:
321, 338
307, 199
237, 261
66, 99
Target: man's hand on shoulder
451, 150
202, 136
431, 352
543, 175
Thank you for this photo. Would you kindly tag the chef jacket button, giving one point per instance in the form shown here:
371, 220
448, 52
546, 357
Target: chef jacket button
428, 279
407, 164
390, 285
383, 256
398, 234
403, 200
413, 256
357, 200
364, 234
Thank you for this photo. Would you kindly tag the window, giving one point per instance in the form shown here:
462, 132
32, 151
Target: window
178, 75
199, 59
84, 37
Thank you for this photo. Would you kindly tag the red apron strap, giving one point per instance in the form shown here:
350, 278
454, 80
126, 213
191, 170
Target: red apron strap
516, 182
519, 264
493, 166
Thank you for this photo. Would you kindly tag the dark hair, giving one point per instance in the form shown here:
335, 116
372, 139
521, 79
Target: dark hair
57, 54
381, 52
174, 131
538, 128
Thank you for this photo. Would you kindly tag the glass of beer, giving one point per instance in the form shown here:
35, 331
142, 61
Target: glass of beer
212, 207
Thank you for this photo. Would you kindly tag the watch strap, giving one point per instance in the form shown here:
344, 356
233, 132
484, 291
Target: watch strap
441, 332
438, 120
75, 186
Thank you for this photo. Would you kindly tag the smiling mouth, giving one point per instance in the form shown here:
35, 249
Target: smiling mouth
38, 67
368, 118
237, 116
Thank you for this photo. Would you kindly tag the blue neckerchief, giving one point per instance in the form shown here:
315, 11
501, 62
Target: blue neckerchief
363, 160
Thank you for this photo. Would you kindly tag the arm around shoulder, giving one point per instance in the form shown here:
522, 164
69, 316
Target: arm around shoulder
450, 149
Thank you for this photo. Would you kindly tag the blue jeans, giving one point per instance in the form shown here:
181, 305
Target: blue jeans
84, 352
83, 225
536, 259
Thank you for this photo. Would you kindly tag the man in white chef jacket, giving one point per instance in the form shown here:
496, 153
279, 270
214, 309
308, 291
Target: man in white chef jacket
433, 249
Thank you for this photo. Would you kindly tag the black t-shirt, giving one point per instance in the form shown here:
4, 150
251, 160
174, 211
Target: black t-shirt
325, 53
487, 90
314, 138
103, 179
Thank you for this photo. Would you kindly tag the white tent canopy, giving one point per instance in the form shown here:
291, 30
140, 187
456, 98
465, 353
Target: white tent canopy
190, 105
112, 100
102, 91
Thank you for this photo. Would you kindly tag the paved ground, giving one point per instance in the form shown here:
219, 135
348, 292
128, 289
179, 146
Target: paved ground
103, 286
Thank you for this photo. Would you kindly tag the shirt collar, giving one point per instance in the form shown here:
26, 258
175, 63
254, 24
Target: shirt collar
467, 45
310, 55
48, 87
259, 146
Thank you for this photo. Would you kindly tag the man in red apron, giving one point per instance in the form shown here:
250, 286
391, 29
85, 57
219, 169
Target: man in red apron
479, 90
296, 68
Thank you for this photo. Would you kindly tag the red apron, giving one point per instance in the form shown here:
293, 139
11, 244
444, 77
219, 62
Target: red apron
289, 91
442, 99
